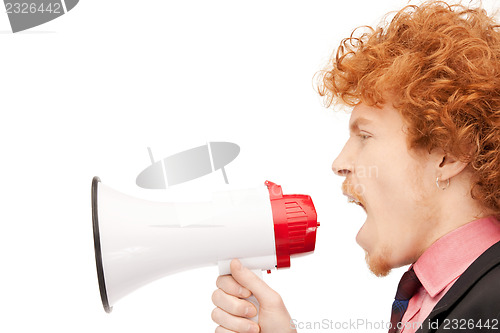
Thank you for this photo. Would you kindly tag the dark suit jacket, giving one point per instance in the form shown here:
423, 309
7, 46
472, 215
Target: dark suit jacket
473, 302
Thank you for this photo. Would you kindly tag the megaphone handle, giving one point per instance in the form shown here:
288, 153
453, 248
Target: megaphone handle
252, 298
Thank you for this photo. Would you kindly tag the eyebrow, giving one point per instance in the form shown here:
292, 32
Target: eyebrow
358, 121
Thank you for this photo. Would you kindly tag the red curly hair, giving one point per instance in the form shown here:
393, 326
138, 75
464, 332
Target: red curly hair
440, 65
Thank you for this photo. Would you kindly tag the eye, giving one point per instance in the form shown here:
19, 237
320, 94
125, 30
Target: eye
364, 136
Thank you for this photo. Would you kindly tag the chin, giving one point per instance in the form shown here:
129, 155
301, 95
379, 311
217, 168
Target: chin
378, 264
379, 259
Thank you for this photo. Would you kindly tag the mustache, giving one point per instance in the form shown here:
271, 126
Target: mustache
351, 190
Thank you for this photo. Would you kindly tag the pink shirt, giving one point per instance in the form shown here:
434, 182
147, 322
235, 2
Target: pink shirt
443, 263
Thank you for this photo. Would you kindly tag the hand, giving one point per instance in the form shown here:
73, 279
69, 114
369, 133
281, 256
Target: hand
232, 311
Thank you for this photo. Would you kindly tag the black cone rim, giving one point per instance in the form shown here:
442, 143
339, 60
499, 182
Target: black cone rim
97, 247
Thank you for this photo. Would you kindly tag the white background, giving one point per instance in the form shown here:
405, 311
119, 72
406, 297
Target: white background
87, 93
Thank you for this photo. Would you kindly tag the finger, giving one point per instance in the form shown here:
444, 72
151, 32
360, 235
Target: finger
221, 329
231, 287
233, 305
245, 277
233, 323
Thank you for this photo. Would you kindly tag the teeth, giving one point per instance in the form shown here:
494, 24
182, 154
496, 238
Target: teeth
352, 200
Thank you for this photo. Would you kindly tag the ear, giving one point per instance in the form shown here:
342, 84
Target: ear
449, 166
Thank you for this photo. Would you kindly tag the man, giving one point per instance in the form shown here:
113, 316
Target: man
426, 95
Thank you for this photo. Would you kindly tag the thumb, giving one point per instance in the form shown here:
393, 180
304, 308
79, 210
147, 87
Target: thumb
248, 279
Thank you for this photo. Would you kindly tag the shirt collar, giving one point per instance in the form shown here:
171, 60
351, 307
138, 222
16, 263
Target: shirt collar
449, 256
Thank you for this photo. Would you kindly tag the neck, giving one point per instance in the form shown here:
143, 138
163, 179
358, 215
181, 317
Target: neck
455, 208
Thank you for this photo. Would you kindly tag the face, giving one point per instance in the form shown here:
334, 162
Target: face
391, 183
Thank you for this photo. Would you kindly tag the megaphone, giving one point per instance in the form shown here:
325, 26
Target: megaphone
138, 241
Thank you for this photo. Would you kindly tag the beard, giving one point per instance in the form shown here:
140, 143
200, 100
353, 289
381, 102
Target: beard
378, 262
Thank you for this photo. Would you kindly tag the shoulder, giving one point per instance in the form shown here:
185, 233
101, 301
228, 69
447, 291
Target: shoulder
482, 298
472, 300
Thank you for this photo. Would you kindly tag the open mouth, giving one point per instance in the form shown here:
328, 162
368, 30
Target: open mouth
352, 195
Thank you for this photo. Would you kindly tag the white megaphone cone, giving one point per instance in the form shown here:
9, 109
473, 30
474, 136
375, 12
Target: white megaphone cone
138, 241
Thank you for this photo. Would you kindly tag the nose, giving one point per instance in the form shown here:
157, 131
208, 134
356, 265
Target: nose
343, 165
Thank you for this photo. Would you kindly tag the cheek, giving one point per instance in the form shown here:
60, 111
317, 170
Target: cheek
390, 203
397, 182
400, 207
385, 189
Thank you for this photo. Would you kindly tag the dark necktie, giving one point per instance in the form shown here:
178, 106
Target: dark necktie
407, 287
